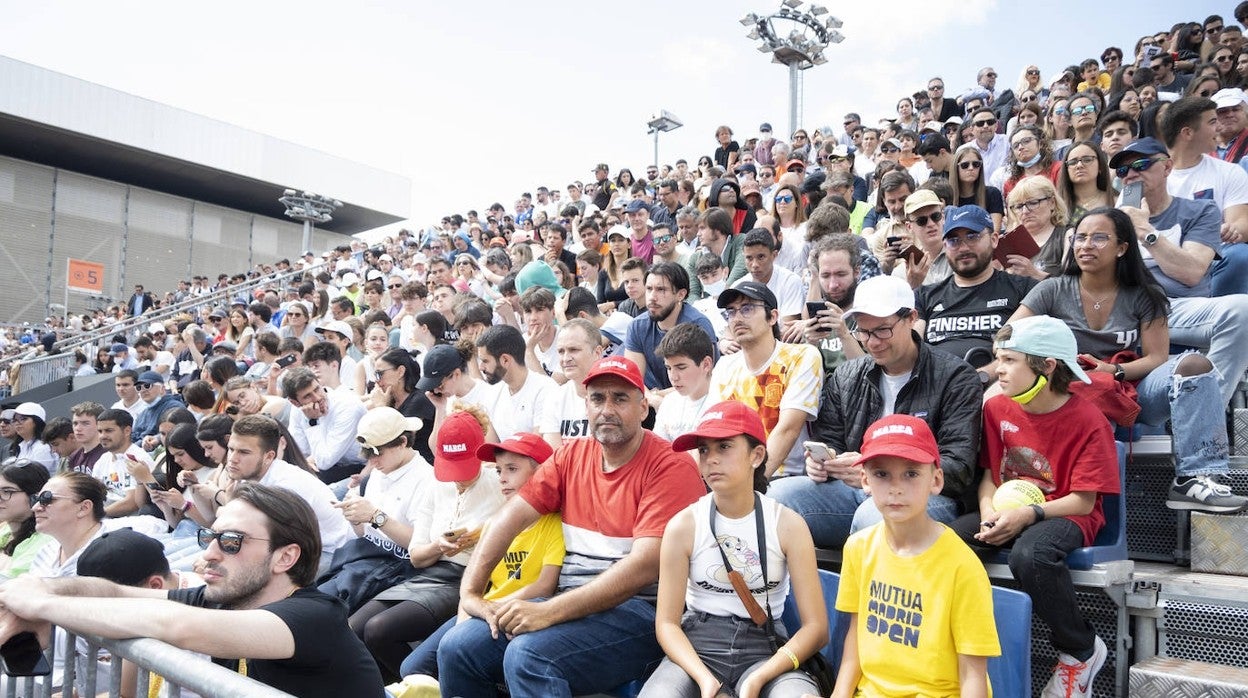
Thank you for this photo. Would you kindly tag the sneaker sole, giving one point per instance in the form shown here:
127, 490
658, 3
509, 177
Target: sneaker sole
1200, 506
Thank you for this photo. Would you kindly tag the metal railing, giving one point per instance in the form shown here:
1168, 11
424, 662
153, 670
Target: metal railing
32, 373
177, 668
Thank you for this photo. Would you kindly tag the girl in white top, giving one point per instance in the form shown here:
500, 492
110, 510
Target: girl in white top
28, 422
376, 342
702, 622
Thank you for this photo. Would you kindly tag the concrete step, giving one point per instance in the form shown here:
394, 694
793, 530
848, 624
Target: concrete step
1183, 678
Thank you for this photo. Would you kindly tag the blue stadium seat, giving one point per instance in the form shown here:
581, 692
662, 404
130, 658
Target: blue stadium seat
1111, 541
838, 622
1010, 674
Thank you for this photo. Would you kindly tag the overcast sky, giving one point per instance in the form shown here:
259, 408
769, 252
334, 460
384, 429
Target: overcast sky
478, 101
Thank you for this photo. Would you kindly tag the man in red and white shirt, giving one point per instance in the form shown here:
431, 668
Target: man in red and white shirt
616, 492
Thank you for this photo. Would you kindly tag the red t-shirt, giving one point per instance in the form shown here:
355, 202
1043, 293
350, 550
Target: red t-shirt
604, 512
1070, 449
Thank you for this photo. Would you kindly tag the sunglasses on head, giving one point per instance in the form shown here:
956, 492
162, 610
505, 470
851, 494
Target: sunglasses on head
230, 542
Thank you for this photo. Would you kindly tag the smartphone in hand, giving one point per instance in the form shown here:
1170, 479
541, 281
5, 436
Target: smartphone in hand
22, 656
819, 450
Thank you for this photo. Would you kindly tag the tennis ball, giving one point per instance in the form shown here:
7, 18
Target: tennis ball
1013, 494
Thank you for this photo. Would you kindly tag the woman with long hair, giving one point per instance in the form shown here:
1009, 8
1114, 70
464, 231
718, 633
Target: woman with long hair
966, 170
1224, 60
703, 619
184, 463
29, 420
1057, 123
397, 376
376, 342
217, 371
20, 480
618, 251
1029, 80
1122, 79
1038, 211
787, 209
1031, 155
103, 361
239, 331
1113, 304
320, 308
1128, 100
1084, 181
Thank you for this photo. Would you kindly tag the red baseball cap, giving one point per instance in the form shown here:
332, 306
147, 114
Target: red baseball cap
722, 421
455, 458
902, 436
524, 444
617, 366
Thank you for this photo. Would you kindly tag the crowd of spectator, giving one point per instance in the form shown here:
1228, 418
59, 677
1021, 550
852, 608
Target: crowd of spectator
907, 312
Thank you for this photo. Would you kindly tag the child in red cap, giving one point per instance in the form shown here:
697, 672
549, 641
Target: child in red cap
920, 601
714, 584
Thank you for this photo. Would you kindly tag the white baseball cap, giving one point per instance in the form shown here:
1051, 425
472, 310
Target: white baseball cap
881, 296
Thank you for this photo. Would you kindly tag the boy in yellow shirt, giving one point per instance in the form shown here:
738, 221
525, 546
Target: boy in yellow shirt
920, 602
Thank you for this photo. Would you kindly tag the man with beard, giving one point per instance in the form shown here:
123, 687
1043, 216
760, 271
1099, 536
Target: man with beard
615, 492
257, 613
667, 287
836, 266
252, 457
779, 381
519, 394
963, 312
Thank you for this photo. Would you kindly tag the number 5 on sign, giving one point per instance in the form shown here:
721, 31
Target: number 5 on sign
84, 277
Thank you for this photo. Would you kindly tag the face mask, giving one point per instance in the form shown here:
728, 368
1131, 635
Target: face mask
1030, 162
715, 288
1030, 394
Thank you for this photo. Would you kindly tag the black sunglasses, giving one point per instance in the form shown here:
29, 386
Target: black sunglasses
45, 498
230, 542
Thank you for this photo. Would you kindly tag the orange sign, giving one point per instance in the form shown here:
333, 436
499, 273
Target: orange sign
84, 277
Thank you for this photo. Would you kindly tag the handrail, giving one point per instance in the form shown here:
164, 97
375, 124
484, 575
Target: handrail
178, 669
70, 343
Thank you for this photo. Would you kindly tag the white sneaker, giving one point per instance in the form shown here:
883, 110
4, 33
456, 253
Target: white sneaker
1073, 678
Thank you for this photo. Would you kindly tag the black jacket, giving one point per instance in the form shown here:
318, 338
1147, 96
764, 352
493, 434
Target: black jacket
943, 391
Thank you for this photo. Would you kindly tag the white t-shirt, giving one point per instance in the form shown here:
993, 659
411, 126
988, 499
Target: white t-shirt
111, 470
138, 408
890, 387
1212, 179
678, 415
481, 395
565, 413
517, 413
788, 288
792, 254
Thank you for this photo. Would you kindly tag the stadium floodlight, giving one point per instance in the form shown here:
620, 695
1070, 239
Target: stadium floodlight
800, 47
662, 122
309, 208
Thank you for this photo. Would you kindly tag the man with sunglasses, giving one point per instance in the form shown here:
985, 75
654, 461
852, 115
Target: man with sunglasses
1189, 130
1232, 129
993, 147
924, 214
900, 375
962, 313
1178, 239
152, 391
257, 603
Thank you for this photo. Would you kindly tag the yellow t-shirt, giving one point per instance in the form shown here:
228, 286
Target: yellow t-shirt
532, 549
915, 614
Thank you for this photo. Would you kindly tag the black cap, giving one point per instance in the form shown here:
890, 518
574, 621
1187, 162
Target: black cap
749, 289
440, 362
123, 557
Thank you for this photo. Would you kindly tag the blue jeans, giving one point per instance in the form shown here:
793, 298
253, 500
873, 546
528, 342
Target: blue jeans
1196, 415
593, 654
1230, 273
1218, 327
424, 659
834, 510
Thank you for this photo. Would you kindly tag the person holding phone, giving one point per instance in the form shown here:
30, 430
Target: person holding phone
836, 263
446, 521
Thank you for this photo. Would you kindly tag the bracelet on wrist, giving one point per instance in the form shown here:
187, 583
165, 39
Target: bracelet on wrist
792, 657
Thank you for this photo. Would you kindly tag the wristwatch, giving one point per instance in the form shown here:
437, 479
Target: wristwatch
1150, 239
1120, 373
378, 520
1039, 510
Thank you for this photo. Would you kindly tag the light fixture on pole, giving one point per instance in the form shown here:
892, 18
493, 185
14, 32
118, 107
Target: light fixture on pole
797, 39
309, 208
662, 122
